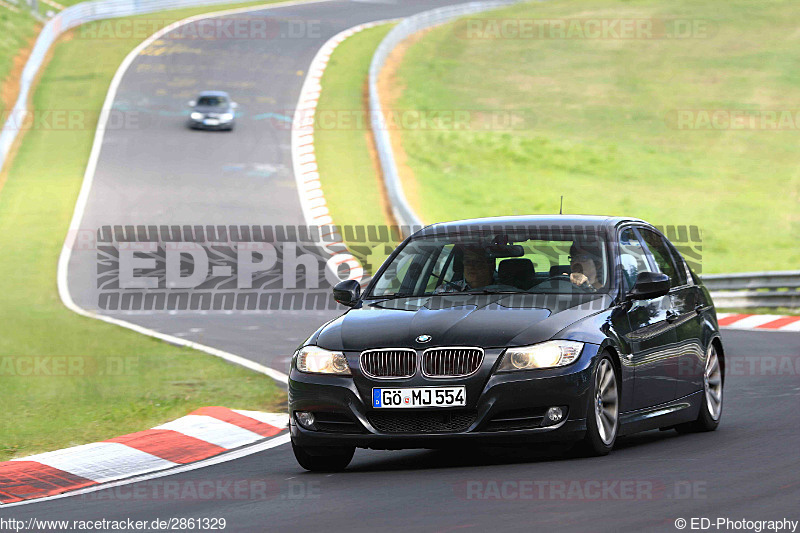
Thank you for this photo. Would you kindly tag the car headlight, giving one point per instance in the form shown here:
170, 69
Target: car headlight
543, 355
316, 360
226, 116
196, 116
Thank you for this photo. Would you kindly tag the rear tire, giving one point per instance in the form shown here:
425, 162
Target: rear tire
602, 416
323, 459
711, 404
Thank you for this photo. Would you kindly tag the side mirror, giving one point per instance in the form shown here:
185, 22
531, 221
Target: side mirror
347, 292
191, 103
234, 105
649, 285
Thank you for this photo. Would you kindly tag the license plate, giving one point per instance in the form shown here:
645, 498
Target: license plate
420, 397
211, 122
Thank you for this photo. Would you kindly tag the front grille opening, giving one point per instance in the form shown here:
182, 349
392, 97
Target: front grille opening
389, 363
516, 419
451, 362
328, 422
422, 421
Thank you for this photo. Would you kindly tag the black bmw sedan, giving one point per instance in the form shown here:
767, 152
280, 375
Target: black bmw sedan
512, 329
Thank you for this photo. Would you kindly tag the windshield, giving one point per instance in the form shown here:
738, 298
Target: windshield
527, 261
212, 101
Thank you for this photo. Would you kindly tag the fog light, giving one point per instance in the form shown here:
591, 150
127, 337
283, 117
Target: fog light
305, 419
554, 416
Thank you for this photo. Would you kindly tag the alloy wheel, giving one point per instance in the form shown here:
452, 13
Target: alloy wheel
606, 405
712, 383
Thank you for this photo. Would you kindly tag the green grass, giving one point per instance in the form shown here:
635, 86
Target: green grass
162, 382
601, 136
16, 31
347, 173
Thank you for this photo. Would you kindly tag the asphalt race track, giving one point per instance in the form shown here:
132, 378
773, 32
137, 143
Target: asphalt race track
736, 472
153, 170
166, 174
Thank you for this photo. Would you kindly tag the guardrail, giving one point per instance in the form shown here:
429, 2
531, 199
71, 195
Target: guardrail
403, 213
755, 289
758, 289
67, 19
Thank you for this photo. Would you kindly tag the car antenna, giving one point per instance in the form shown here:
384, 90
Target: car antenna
561, 208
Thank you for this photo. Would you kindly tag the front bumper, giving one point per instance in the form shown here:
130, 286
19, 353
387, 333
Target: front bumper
202, 124
501, 408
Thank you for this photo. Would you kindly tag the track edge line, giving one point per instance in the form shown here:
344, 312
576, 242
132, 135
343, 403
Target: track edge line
86, 186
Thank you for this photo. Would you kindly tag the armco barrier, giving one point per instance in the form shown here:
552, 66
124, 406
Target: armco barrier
65, 20
760, 289
404, 215
755, 289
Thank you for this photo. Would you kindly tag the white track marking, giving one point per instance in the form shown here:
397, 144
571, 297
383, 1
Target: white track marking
306, 172
212, 430
794, 326
86, 187
314, 211
102, 461
754, 321
224, 458
278, 420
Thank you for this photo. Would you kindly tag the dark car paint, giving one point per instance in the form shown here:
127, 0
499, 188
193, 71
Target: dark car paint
488, 321
658, 347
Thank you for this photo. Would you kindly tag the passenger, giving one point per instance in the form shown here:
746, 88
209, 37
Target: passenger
586, 265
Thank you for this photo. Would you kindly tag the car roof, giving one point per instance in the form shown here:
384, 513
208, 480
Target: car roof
213, 93
582, 221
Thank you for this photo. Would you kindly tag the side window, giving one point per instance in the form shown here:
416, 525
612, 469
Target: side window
680, 264
632, 257
658, 249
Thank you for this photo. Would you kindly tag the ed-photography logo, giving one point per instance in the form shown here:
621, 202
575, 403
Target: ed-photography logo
274, 268
222, 268
777, 525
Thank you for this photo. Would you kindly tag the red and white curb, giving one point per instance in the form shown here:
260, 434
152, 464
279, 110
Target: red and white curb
304, 159
759, 322
204, 433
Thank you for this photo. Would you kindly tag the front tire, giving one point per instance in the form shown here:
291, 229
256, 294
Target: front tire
323, 459
711, 406
602, 417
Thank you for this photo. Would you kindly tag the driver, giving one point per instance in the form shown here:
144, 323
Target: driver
478, 268
478, 272
585, 265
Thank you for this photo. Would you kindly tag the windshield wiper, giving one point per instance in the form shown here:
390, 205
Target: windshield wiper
493, 291
390, 296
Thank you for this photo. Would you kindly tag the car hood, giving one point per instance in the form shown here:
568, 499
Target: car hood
488, 321
211, 109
